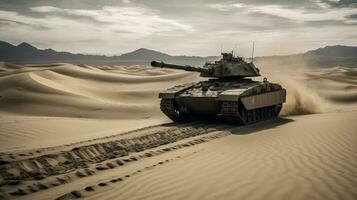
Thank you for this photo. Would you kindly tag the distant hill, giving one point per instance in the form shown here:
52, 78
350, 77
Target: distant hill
26, 53
145, 54
335, 51
328, 56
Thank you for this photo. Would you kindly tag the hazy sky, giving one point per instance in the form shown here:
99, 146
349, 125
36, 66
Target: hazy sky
178, 27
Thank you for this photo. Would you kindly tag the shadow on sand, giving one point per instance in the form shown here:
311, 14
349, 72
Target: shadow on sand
234, 129
264, 125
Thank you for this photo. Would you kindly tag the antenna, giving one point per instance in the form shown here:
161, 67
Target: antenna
235, 49
253, 52
221, 48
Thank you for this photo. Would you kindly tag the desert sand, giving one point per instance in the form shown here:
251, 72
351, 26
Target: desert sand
50, 105
96, 132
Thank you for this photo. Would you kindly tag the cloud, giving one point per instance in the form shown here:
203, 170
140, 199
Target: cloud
227, 7
66, 29
179, 26
45, 9
296, 14
340, 3
353, 16
140, 21
14, 20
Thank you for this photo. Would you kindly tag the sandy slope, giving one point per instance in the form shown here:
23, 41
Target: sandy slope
82, 113
47, 105
263, 161
299, 157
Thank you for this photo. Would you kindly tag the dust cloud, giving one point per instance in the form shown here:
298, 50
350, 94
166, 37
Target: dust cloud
301, 100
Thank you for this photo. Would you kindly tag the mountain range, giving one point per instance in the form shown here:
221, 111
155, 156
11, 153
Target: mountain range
26, 53
323, 57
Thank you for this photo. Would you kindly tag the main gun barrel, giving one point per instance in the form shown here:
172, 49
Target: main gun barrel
181, 67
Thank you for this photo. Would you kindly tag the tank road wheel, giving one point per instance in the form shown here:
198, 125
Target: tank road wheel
229, 110
277, 109
271, 111
170, 109
244, 115
253, 117
264, 113
259, 114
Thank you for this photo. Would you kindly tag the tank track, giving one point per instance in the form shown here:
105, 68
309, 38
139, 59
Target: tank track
232, 111
235, 112
169, 108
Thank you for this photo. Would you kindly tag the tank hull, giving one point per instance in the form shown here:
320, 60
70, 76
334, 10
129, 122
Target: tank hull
199, 105
244, 101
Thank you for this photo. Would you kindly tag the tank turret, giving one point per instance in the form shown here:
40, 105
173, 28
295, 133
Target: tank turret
228, 66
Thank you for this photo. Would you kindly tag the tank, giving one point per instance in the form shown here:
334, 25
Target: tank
228, 91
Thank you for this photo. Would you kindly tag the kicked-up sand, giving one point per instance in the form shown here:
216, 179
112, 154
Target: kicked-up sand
69, 131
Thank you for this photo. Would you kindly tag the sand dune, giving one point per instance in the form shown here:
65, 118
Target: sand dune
66, 93
70, 131
336, 84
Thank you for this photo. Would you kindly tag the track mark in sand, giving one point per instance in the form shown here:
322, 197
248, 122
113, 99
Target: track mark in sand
86, 190
62, 167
